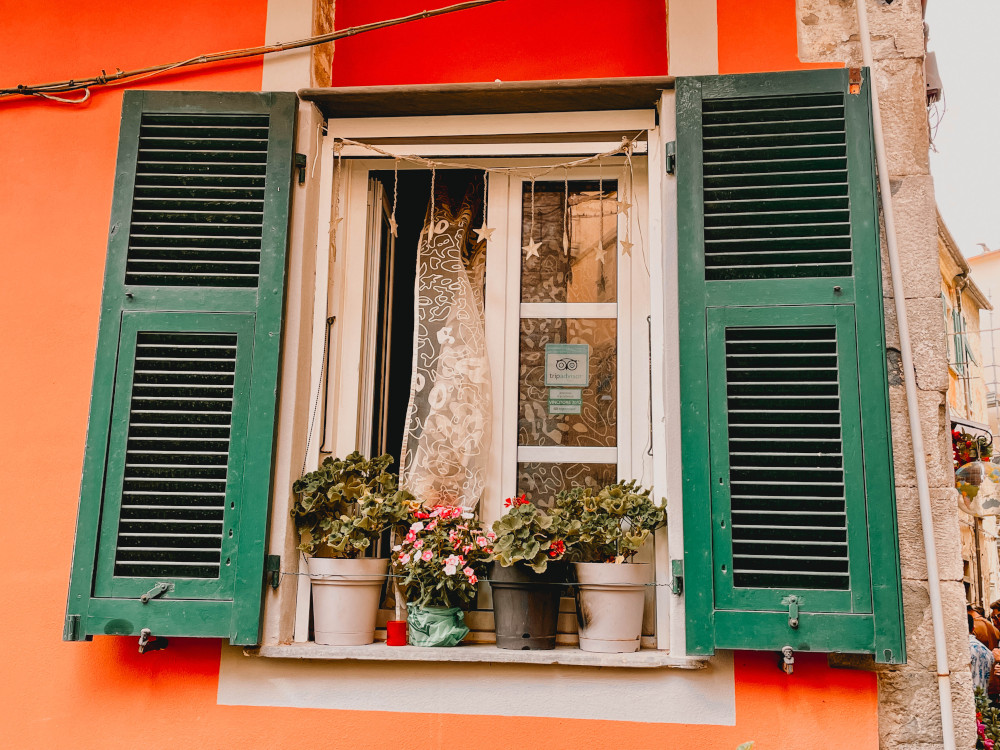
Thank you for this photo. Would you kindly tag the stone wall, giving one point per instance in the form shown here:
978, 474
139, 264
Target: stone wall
909, 713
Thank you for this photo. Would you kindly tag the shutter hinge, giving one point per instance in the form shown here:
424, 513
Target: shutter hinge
273, 569
676, 576
854, 81
793, 610
671, 157
300, 164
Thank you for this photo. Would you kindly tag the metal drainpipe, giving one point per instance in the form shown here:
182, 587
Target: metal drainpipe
909, 378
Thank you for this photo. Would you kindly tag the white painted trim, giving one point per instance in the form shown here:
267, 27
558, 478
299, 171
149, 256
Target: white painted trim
551, 454
496, 304
290, 70
458, 150
366, 128
652, 696
569, 309
669, 383
657, 273
693, 38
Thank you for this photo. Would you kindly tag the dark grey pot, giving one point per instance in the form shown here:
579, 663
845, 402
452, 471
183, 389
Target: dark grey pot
526, 605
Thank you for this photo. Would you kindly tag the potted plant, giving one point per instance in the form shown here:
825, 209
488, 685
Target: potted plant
439, 561
528, 573
610, 592
341, 511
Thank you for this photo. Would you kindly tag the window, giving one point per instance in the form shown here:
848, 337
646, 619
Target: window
732, 311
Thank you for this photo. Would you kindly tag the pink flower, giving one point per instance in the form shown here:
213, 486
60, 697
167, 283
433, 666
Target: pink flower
449, 570
427, 555
466, 548
490, 535
418, 544
482, 541
469, 572
432, 525
454, 560
397, 548
473, 580
404, 558
418, 526
410, 536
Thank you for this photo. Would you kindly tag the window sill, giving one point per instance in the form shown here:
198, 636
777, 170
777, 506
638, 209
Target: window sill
481, 653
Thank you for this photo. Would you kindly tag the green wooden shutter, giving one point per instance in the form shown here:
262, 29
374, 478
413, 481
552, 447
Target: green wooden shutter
789, 505
178, 464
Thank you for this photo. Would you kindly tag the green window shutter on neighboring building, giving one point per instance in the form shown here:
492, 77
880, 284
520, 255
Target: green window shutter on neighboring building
177, 470
789, 505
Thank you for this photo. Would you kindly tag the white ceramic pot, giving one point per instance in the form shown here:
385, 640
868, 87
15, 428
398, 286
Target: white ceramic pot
346, 598
609, 604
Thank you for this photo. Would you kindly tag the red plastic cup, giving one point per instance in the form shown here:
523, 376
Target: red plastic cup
395, 633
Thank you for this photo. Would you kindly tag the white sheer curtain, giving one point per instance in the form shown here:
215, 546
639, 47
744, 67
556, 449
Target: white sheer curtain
447, 440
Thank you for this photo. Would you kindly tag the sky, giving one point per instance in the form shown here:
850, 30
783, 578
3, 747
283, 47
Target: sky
965, 34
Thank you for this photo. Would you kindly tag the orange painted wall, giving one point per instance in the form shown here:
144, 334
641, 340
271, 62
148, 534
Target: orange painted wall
56, 175
759, 36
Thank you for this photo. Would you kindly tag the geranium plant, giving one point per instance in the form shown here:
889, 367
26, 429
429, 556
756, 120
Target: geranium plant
531, 535
344, 506
442, 556
614, 522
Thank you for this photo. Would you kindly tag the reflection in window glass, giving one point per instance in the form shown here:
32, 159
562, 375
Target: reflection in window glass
583, 268
541, 482
575, 414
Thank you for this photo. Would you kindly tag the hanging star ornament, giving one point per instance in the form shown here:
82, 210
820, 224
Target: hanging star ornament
623, 206
601, 255
626, 247
484, 233
531, 249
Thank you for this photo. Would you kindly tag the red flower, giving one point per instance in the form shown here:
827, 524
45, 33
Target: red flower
557, 548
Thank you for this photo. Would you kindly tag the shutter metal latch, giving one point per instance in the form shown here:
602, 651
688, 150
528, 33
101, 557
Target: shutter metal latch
793, 610
787, 659
147, 642
677, 576
300, 164
854, 81
273, 570
671, 157
158, 590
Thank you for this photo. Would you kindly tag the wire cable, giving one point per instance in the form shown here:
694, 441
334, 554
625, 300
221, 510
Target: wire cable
47, 90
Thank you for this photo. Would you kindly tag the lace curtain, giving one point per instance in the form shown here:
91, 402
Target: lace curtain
447, 440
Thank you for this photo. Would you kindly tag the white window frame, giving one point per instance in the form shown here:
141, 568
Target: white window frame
584, 134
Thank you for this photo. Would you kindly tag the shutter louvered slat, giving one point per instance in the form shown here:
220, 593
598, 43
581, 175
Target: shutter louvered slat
803, 556
199, 188
767, 145
151, 540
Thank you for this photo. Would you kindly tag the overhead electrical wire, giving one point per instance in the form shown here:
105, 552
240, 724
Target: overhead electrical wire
50, 90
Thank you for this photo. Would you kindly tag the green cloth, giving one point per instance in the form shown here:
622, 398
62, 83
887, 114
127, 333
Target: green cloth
436, 626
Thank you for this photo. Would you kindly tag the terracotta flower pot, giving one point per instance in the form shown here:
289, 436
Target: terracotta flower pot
526, 605
609, 602
346, 598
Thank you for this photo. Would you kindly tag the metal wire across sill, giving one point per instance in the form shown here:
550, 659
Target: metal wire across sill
478, 653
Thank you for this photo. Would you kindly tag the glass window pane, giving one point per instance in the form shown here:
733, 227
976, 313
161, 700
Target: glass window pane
568, 395
541, 482
583, 268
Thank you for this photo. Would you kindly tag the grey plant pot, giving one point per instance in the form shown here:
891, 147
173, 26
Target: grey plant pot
526, 605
